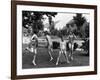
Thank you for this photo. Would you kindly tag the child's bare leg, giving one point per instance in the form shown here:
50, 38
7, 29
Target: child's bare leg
34, 57
28, 49
51, 58
58, 57
71, 55
66, 56
71, 52
50, 50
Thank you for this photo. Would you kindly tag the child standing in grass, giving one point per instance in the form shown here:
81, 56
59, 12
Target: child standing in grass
62, 51
71, 38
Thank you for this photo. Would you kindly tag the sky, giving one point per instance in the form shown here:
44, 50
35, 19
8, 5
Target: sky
62, 19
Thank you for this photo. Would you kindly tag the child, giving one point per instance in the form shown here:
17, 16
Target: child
62, 50
71, 44
33, 47
49, 45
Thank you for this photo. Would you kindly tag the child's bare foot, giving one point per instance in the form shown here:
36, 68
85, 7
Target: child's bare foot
68, 61
51, 59
56, 63
71, 58
34, 63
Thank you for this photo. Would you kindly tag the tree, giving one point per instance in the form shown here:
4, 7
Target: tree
87, 31
34, 19
79, 21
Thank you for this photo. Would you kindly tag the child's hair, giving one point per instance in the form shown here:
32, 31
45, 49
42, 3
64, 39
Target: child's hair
35, 32
62, 38
47, 33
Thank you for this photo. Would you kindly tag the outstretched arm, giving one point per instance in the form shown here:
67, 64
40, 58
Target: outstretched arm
75, 36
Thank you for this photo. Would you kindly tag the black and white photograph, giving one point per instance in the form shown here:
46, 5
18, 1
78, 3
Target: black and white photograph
52, 40
55, 39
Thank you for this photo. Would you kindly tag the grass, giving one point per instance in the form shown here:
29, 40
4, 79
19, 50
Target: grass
43, 58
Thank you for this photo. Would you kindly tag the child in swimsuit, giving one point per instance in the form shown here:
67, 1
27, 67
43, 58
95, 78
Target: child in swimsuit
33, 47
62, 50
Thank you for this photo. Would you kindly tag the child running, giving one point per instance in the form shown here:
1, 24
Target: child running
49, 45
33, 47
